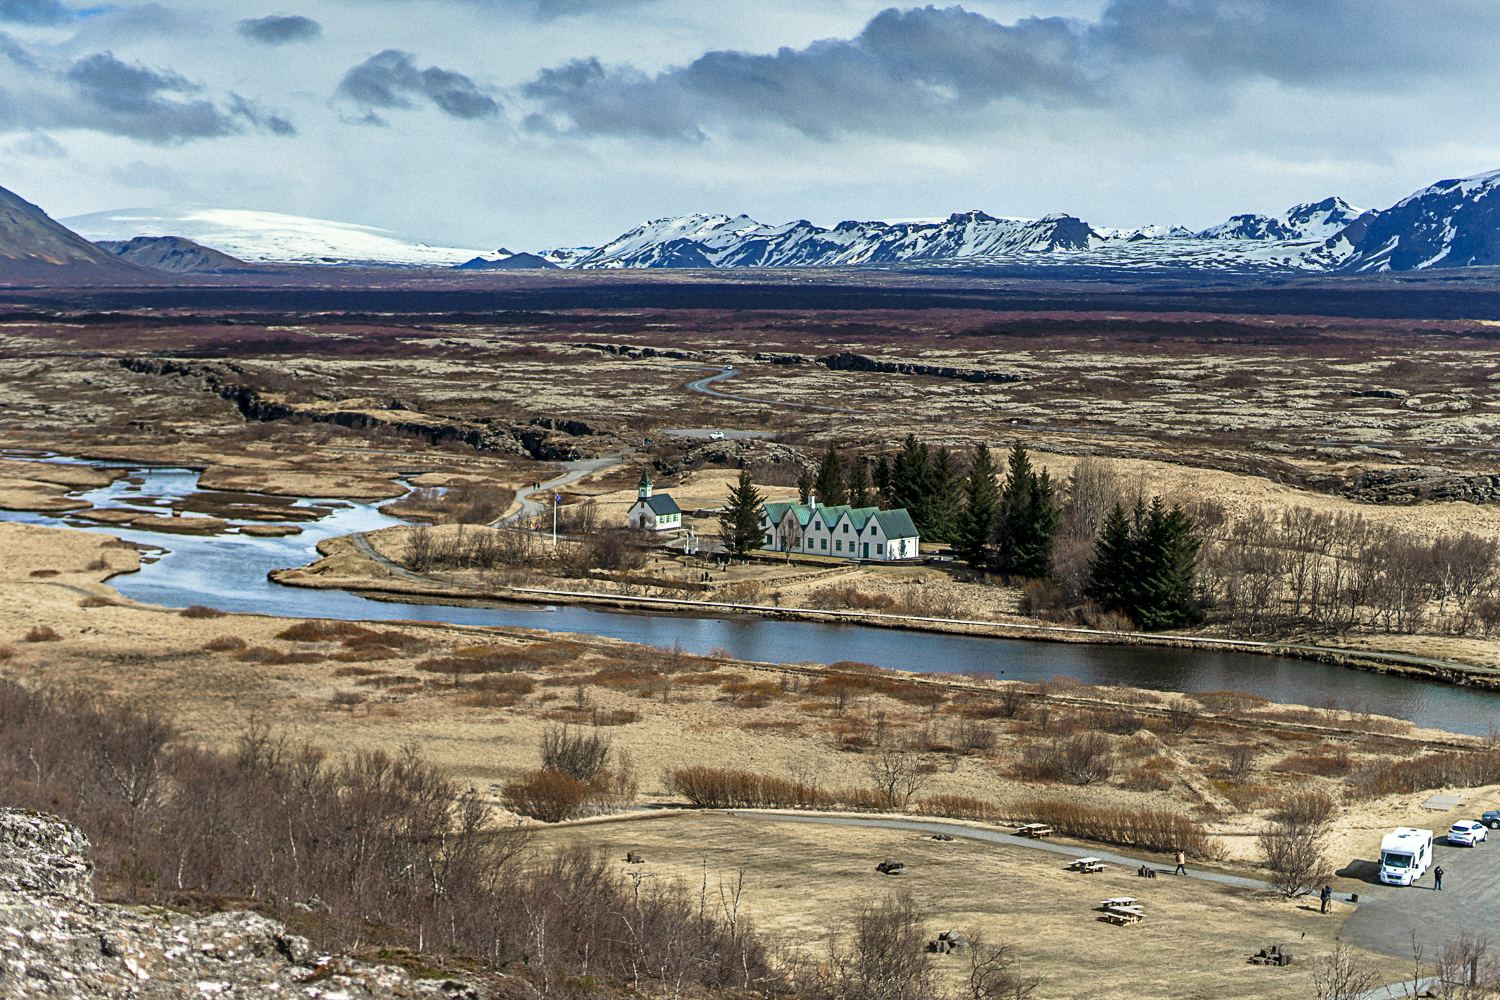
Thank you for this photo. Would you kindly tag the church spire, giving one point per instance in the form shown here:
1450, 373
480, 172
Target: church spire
643, 488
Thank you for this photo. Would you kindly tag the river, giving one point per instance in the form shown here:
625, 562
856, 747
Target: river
229, 572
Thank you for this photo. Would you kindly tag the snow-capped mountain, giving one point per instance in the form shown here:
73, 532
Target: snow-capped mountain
1453, 223
1450, 224
268, 237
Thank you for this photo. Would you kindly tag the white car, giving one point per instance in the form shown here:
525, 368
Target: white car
716, 435
1466, 832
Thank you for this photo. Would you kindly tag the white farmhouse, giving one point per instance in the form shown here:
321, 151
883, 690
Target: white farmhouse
841, 532
654, 513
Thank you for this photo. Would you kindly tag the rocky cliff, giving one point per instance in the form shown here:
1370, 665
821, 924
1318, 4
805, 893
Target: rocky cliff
57, 942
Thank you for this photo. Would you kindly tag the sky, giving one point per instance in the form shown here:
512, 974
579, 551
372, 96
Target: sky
533, 124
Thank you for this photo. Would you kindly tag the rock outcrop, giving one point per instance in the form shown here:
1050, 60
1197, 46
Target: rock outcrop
57, 942
848, 362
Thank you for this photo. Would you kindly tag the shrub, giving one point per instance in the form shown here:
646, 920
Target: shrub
1323, 764
959, 807
1080, 760
1147, 829
1434, 770
96, 602
6, 653
224, 644
347, 699
1229, 701
275, 657
1313, 809
43, 572
718, 788
41, 633
320, 631
201, 611
550, 796
96, 564
580, 755
1293, 854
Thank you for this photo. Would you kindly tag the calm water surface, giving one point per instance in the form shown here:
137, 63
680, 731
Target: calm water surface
229, 572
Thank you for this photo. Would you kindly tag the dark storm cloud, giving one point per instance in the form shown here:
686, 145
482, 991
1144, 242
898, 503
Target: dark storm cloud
920, 66
279, 30
34, 11
392, 80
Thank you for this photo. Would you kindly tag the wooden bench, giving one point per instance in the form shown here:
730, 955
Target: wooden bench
1034, 830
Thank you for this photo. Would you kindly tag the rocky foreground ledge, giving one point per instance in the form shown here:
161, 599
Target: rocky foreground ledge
55, 941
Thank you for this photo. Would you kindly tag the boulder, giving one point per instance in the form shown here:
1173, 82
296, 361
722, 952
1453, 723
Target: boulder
889, 867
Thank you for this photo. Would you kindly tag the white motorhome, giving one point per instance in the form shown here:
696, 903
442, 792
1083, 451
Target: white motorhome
1404, 855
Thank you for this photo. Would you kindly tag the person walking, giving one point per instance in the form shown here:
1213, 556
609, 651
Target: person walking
1181, 864
1437, 878
1326, 896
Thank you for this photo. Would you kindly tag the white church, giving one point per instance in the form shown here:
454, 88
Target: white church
657, 512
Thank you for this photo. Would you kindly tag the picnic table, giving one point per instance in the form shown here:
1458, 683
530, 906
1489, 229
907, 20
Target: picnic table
1124, 914
1086, 865
1118, 901
1034, 830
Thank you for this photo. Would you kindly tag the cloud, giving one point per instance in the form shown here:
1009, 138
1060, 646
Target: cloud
279, 30
102, 93
34, 11
39, 145
927, 66
391, 79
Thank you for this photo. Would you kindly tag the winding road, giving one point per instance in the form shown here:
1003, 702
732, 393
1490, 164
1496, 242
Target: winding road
702, 385
575, 471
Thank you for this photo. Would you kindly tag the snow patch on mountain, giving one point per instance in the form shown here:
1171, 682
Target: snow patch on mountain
269, 237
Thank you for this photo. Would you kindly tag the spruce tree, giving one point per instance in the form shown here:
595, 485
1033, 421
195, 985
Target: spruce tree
805, 484
1113, 568
859, 482
830, 487
883, 480
944, 504
911, 483
1028, 517
1144, 565
981, 498
740, 521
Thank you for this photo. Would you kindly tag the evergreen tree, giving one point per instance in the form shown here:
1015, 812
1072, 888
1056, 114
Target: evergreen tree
1144, 565
740, 521
830, 487
859, 482
1028, 517
805, 484
981, 498
883, 480
943, 503
911, 483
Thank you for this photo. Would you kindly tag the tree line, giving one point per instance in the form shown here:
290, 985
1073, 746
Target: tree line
1138, 559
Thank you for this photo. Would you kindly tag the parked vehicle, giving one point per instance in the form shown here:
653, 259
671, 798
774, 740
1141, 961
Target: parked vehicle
716, 435
1491, 819
1466, 832
1405, 855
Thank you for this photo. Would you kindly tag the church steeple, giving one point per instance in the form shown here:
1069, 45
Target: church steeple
643, 488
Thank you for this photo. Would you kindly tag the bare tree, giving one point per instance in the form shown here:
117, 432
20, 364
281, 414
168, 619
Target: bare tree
1093, 491
885, 960
1181, 714
1087, 759
1292, 852
576, 753
1467, 969
791, 532
995, 972
1342, 974
419, 549
898, 774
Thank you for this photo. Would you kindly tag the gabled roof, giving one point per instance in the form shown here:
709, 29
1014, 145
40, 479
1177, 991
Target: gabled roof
895, 523
661, 504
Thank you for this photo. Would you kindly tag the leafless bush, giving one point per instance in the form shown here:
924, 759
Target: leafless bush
1292, 851
6, 653
1148, 829
1084, 759
348, 699
1239, 762
201, 611
958, 807
1181, 715
96, 602
1434, 770
41, 633
224, 644
717, 788
883, 957
579, 754
1305, 809
1467, 969
550, 796
1343, 974
96, 564
994, 971
898, 775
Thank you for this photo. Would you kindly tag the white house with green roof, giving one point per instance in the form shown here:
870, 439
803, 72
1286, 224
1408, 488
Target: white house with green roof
653, 512
842, 532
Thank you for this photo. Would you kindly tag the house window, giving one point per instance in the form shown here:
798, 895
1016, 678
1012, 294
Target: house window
838, 546
846, 529
770, 540
825, 543
878, 548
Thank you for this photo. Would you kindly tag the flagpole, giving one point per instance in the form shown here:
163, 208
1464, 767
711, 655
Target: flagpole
555, 498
